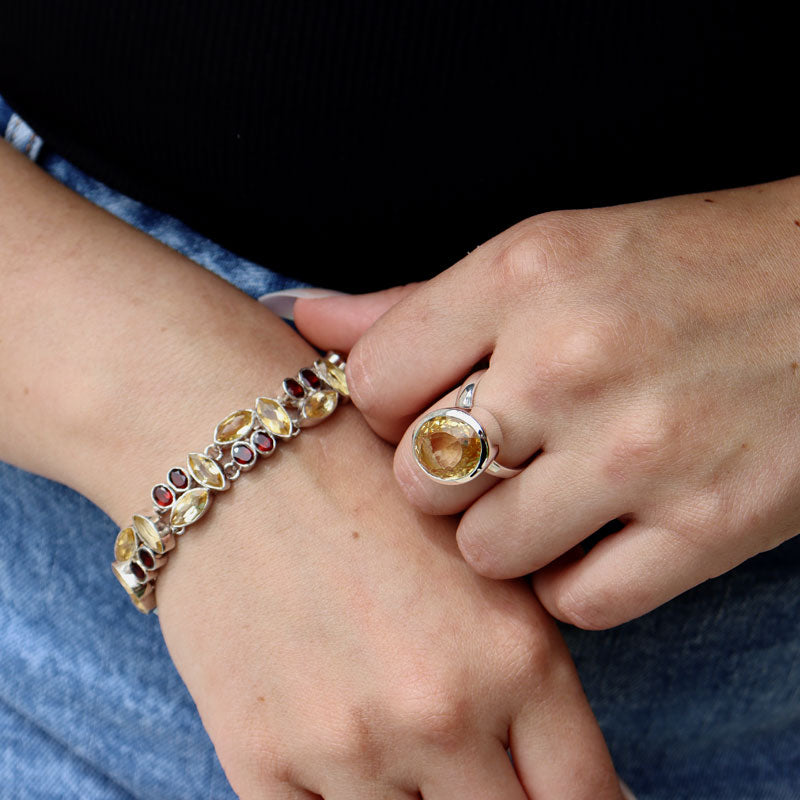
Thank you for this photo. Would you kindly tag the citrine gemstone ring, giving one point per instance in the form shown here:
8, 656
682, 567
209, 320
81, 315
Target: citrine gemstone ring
455, 445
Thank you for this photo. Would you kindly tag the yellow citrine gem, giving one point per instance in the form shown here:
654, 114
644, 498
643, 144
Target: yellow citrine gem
125, 545
146, 530
320, 404
274, 416
234, 426
447, 448
190, 506
334, 376
205, 471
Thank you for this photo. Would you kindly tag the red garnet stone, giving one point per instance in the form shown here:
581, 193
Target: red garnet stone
310, 378
293, 388
146, 557
263, 442
242, 454
163, 495
178, 478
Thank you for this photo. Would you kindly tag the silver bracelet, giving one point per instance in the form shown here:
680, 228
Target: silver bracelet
243, 437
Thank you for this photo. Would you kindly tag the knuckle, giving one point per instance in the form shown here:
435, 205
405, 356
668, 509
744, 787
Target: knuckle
527, 652
434, 710
525, 260
704, 521
647, 442
576, 358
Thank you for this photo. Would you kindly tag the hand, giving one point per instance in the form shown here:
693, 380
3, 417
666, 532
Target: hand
646, 353
331, 636
337, 645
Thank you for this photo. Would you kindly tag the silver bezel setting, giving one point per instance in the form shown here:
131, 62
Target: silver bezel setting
488, 451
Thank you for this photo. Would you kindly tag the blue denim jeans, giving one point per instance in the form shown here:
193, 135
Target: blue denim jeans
699, 699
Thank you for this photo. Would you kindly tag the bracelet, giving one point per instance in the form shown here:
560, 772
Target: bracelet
141, 548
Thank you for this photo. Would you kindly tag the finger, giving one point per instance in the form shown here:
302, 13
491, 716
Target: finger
336, 323
525, 522
626, 575
425, 344
485, 775
522, 435
556, 743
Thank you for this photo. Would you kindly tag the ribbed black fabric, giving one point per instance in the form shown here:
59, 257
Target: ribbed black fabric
360, 144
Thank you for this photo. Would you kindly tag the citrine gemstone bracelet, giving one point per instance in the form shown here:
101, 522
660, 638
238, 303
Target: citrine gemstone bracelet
241, 439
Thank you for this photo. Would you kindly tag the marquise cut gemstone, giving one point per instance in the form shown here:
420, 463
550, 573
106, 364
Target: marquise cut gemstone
205, 471
447, 448
125, 545
234, 426
190, 506
274, 416
320, 404
147, 532
334, 375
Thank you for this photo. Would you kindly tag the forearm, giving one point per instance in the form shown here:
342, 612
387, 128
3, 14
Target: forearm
117, 354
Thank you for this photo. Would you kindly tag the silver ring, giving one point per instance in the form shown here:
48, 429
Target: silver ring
455, 445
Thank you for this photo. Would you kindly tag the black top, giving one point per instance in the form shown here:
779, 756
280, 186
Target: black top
362, 144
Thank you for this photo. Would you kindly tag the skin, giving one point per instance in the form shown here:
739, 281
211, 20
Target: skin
334, 641
643, 368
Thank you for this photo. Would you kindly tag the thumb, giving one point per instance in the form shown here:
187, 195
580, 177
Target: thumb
337, 322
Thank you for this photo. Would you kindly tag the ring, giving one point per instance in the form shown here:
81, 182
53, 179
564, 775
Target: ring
455, 445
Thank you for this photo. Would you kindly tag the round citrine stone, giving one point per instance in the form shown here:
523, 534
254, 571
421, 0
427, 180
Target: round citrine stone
125, 545
447, 448
320, 404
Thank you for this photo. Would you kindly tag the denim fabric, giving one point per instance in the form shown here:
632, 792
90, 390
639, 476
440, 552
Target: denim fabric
699, 699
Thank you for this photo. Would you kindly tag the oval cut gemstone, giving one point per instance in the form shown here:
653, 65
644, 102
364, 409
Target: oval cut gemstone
274, 417
146, 557
147, 532
162, 495
320, 404
138, 572
293, 388
447, 448
125, 545
263, 442
242, 454
334, 375
205, 471
178, 478
310, 378
234, 426
190, 506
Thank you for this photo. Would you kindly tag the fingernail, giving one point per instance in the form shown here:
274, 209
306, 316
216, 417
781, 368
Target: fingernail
282, 302
626, 792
